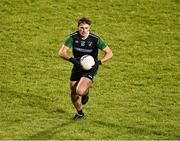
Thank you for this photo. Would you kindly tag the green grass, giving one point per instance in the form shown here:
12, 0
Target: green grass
135, 95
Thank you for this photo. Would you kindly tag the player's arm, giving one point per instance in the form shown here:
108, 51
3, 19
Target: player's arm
107, 51
107, 54
63, 52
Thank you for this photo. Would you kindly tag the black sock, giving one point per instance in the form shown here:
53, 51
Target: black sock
80, 112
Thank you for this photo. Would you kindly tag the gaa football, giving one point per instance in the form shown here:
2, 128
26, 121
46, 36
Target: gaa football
87, 61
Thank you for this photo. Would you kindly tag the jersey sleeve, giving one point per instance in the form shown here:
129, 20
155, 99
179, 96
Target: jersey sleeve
68, 42
101, 44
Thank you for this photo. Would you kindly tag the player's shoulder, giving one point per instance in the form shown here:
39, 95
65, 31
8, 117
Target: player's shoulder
74, 34
94, 35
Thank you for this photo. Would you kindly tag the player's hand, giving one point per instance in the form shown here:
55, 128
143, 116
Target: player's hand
97, 63
74, 61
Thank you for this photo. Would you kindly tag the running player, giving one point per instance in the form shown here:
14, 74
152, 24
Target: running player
83, 42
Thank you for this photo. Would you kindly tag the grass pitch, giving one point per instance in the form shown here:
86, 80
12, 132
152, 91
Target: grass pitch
135, 95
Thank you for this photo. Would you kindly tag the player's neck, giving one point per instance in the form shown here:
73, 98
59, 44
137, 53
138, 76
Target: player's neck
85, 37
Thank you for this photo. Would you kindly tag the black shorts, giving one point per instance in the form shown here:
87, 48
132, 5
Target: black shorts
77, 73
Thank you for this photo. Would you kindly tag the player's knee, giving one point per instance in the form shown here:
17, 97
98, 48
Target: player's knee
74, 97
80, 92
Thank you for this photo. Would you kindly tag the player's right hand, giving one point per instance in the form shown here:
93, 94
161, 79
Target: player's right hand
74, 61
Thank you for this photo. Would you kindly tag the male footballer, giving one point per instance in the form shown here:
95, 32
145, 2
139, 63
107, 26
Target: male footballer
83, 42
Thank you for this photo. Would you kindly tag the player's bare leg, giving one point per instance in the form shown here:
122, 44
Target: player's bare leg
83, 86
78, 89
83, 89
76, 100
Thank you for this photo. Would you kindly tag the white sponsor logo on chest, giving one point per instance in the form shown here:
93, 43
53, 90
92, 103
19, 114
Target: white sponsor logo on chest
83, 43
77, 41
89, 44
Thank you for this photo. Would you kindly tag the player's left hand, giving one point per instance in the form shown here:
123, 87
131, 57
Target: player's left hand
97, 63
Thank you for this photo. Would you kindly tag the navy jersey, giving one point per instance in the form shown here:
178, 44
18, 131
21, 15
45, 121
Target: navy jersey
81, 47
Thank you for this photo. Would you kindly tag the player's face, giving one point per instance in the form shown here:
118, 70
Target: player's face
84, 29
